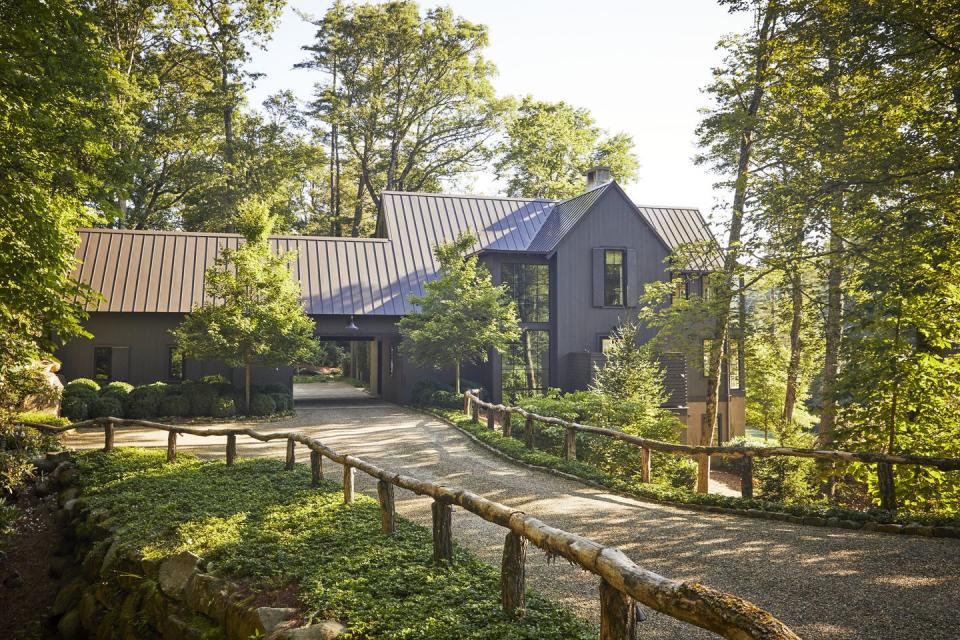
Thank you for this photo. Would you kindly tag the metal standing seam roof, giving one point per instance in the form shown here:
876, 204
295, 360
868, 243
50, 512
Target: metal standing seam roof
164, 271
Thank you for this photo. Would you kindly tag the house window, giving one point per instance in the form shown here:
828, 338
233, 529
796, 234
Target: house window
525, 366
605, 343
681, 288
174, 364
613, 278
529, 287
103, 363
733, 365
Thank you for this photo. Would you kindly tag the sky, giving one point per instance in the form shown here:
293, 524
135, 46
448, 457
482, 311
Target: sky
639, 66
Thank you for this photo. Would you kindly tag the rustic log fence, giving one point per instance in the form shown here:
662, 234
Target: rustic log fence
623, 584
884, 461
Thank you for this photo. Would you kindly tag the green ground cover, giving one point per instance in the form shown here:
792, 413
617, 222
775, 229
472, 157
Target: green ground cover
258, 522
664, 492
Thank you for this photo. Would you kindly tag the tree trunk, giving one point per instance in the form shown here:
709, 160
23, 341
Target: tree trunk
357, 209
456, 376
832, 335
246, 386
793, 366
724, 290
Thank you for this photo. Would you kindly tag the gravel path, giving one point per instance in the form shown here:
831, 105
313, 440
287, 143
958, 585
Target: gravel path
823, 582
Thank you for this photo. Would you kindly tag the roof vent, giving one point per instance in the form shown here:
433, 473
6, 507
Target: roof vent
597, 176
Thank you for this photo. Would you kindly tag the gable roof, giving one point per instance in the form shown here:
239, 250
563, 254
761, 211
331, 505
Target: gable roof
164, 271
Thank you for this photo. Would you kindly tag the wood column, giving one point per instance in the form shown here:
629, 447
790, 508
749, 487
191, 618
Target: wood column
507, 426
231, 449
291, 454
644, 464
569, 443
703, 473
348, 475
746, 476
171, 446
388, 513
108, 435
442, 532
885, 483
316, 468
618, 614
528, 432
513, 574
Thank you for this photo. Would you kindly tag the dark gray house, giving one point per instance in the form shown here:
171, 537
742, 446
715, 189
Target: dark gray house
575, 267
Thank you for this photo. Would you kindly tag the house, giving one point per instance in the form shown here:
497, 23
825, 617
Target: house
575, 267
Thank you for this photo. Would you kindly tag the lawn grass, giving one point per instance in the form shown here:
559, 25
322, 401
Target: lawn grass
260, 523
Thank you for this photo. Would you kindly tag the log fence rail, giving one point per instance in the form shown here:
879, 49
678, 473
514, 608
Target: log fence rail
623, 584
884, 461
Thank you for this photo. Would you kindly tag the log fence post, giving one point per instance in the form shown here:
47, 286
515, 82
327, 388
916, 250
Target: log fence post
528, 432
746, 477
348, 476
507, 426
513, 574
388, 513
569, 443
475, 411
171, 446
442, 532
645, 464
108, 435
231, 449
618, 614
703, 473
291, 454
885, 483
466, 404
491, 418
316, 468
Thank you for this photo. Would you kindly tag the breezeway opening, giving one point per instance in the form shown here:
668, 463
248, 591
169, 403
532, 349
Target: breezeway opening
358, 381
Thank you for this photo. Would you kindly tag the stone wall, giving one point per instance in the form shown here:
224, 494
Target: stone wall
114, 594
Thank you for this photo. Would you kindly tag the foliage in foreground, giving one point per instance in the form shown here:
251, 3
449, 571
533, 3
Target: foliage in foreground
259, 522
663, 492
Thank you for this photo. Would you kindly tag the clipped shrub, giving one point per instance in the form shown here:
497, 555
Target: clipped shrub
144, 401
118, 390
74, 408
175, 406
106, 407
220, 385
427, 393
82, 388
200, 396
262, 405
223, 407
283, 401
43, 418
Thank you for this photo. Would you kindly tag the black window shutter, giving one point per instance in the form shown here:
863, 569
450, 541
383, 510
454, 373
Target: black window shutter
598, 277
632, 273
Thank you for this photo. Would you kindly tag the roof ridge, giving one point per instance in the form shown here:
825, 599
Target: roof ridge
223, 234
466, 195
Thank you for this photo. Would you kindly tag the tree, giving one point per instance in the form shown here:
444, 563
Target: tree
462, 316
550, 145
253, 313
405, 97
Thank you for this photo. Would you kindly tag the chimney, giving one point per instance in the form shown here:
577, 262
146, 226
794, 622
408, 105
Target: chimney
597, 176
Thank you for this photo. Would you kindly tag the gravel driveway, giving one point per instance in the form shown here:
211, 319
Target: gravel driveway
823, 582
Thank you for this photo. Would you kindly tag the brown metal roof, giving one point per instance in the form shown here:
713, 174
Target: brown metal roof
163, 271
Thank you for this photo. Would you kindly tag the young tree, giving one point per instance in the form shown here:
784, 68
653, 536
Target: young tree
462, 316
253, 313
549, 147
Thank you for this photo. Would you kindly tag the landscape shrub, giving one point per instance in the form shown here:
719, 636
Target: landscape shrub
106, 407
223, 407
117, 389
175, 406
428, 393
83, 389
282, 401
261, 404
219, 383
144, 401
201, 397
782, 478
43, 418
75, 408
